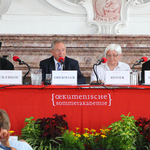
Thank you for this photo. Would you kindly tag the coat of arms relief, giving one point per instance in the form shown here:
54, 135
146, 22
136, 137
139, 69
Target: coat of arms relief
109, 16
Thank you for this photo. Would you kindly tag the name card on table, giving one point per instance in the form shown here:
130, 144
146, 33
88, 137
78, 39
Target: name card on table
64, 77
147, 77
118, 77
11, 77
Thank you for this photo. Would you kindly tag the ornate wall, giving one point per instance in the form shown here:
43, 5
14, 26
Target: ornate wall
27, 28
75, 17
87, 49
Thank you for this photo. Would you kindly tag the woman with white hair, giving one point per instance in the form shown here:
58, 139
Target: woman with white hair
113, 55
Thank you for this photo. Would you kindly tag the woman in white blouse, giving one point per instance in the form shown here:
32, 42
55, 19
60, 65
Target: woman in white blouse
113, 55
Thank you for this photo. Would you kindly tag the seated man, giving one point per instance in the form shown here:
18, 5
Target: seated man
58, 50
5, 64
6, 143
145, 66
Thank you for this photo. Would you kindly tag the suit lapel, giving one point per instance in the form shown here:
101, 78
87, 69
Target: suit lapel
51, 64
66, 63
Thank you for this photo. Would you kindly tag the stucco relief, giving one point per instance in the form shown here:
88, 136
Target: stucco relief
64, 7
108, 16
4, 6
104, 16
136, 2
107, 10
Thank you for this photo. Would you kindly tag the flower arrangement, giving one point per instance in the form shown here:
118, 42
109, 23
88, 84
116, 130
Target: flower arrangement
46, 133
144, 129
53, 134
93, 139
71, 141
89, 140
123, 134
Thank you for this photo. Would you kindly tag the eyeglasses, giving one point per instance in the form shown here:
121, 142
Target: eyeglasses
108, 55
58, 50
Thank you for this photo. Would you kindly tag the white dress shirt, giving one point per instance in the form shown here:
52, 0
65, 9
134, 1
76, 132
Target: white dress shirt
56, 64
103, 67
19, 145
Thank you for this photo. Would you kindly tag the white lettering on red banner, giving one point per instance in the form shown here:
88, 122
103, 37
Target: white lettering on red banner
81, 100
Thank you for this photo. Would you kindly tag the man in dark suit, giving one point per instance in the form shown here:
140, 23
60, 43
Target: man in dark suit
58, 49
5, 64
145, 66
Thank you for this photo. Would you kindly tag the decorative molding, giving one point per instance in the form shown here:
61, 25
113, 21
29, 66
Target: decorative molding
138, 2
106, 25
79, 13
63, 6
74, 1
4, 6
142, 9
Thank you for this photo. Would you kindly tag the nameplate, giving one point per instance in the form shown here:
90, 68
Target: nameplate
64, 77
13, 138
11, 77
118, 77
147, 77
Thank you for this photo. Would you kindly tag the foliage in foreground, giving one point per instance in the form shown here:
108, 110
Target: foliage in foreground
53, 134
46, 133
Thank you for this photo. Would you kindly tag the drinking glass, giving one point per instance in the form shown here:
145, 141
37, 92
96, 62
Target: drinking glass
36, 76
48, 79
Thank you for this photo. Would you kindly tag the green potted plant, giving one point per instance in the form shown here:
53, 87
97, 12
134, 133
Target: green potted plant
72, 141
94, 140
45, 133
123, 134
144, 128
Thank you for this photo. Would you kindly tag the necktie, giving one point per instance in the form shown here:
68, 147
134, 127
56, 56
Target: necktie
59, 66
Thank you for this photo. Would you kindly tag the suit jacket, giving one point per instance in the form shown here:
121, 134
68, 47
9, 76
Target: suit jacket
48, 65
145, 66
6, 64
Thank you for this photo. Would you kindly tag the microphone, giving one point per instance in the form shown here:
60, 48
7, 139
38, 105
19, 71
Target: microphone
138, 62
16, 58
143, 59
61, 60
102, 60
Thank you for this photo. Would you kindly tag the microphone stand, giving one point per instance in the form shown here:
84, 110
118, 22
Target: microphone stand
21, 63
135, 64
63, 65
97, 83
